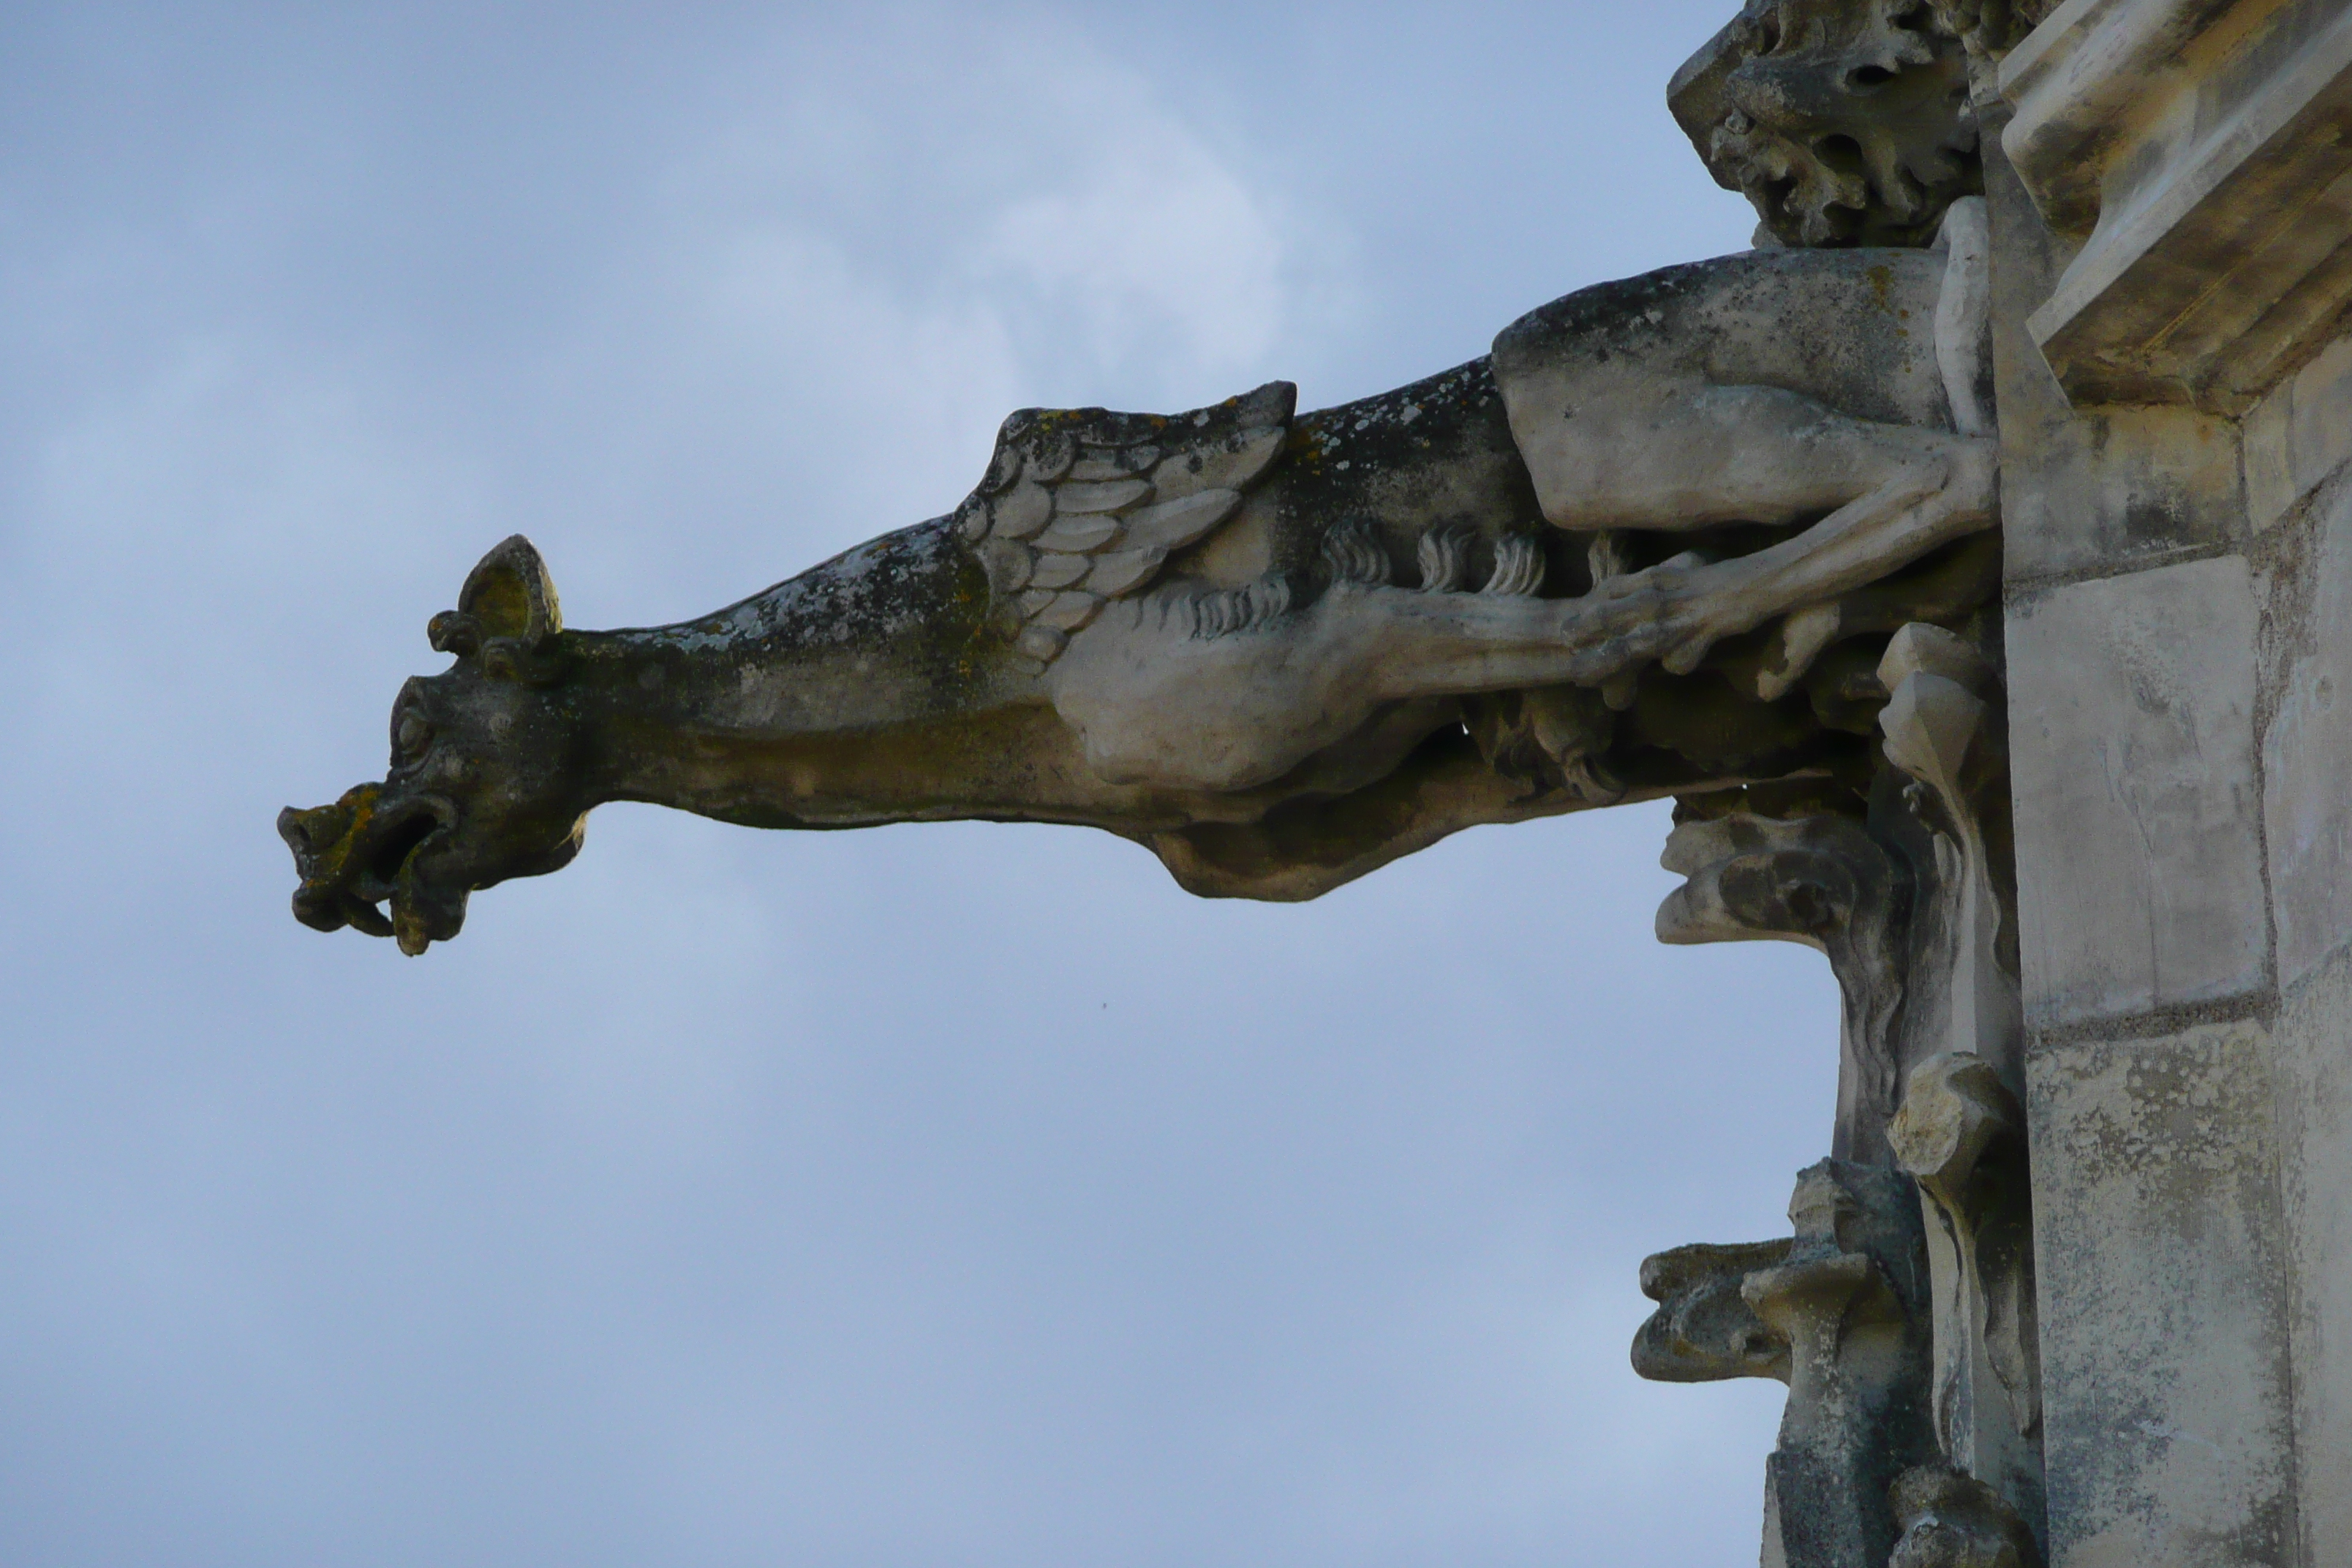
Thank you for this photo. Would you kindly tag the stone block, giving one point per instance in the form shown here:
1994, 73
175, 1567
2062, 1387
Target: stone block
2138, 848
2308, 812
2168, 1423
2110, 487
2300, 435
2315, 1099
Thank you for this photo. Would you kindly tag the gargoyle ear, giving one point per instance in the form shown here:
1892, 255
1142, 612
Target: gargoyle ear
507, 597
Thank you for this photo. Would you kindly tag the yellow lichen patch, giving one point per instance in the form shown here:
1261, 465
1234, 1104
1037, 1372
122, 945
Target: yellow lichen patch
502, 605
331, 831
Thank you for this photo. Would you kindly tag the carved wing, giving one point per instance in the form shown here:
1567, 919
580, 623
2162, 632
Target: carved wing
1082, 505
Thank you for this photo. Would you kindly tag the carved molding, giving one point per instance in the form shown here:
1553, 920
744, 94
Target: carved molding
2196, 154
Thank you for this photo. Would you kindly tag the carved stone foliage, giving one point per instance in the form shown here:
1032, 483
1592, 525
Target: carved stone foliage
1843, 121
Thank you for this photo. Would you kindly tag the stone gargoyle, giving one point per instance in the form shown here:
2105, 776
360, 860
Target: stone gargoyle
1654, 544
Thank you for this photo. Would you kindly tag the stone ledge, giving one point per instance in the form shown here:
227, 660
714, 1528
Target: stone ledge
2201, 155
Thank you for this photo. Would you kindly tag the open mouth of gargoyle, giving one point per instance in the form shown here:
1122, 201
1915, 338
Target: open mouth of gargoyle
396, 845
357, 854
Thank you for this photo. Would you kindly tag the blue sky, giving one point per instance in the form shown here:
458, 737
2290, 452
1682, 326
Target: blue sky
932, 1196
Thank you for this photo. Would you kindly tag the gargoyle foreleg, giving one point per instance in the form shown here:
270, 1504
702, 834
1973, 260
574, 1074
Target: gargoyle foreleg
1164, 706
1672, 452
1676, 613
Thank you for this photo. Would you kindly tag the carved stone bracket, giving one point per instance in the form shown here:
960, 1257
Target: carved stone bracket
1840, 1313
1902, 1315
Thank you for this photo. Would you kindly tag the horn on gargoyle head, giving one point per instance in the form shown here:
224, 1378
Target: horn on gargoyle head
506, 616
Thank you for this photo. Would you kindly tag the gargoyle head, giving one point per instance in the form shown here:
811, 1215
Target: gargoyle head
482, 786
1845, 121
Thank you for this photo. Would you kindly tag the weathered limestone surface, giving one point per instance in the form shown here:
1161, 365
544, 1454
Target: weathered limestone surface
1851, 1300
2308, 742
1910, 902
2195, 154
2131, 714
1951, 1520
2306, 549
1279, 650
2314, 1063
2297, 439
2136, 629
2164, 1362
2097, 489
2178, 242
1961, 1135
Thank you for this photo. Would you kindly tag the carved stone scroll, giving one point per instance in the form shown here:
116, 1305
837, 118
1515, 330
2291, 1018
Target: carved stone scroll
1961, 1133
1961, 1128
1945, 728
1824, 881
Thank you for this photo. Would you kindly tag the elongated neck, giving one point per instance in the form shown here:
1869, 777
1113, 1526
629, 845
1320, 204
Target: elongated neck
867, 690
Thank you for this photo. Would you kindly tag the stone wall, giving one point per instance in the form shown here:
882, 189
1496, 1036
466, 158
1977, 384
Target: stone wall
2172, 245
2302, 552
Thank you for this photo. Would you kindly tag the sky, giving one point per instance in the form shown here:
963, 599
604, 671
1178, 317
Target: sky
908, 1198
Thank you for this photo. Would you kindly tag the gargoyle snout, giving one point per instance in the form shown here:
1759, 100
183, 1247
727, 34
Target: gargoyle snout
362, 850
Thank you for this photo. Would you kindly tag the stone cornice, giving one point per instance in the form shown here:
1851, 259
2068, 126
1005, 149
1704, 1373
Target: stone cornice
2200, 154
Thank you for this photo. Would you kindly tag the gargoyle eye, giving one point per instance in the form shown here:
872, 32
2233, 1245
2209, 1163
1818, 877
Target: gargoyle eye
411, 734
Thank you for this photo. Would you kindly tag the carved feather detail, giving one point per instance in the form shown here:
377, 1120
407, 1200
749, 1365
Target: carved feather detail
1082, 506
1518, 566
1228, 610
1444, 559
1352, 553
